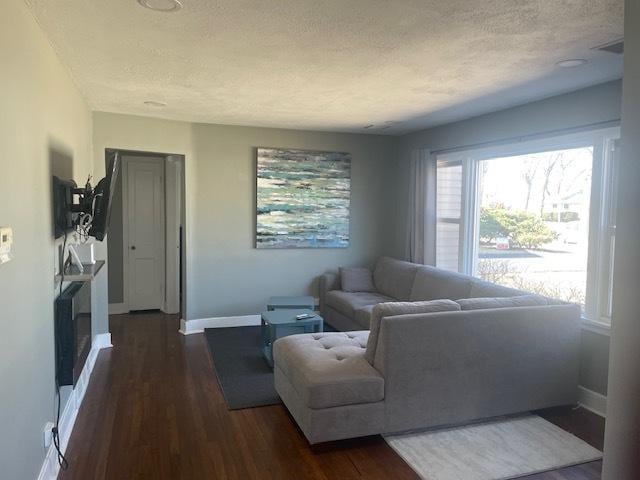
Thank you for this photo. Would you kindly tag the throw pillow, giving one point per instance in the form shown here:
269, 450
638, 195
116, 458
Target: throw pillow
356, 279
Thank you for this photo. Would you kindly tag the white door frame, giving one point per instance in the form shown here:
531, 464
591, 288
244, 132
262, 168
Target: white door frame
173, 217
126, 161
173, 209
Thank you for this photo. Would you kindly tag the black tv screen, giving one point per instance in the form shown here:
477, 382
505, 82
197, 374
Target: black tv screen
103, 197
62, 203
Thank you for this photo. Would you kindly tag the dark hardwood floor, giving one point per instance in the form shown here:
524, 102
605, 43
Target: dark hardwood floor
153, 410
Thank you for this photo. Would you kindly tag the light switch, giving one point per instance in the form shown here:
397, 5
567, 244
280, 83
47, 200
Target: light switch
6, 239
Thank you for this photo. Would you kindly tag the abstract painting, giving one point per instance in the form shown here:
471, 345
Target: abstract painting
303, 199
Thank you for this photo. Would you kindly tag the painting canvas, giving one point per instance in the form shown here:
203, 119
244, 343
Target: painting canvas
303, 199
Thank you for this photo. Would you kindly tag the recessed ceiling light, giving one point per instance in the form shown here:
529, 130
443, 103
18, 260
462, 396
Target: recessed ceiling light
161, 5
572, 63
152, 103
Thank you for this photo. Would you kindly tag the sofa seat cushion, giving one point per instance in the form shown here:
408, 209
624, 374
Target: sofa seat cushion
394, 278
502, 302
362, 316
347, 302
434, 284
329, 369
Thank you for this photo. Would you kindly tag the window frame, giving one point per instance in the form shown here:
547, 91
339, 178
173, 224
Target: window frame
605, 143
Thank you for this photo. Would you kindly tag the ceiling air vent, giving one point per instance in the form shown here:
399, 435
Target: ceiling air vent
616, 47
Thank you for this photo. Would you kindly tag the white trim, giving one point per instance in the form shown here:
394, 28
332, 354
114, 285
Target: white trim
102, 340
593, 401
187, 327
50, 467
118, 308
124, 193
537, 143
596, 327
470, 219
173, 198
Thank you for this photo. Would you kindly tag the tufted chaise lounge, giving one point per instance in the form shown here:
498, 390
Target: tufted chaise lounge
328, 385
428, 364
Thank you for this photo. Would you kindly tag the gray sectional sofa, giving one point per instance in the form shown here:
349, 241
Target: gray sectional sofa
427, 360
398, 281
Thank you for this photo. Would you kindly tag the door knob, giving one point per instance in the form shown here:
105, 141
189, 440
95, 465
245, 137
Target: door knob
133, 247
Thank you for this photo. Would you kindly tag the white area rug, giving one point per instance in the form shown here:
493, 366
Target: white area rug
497, 450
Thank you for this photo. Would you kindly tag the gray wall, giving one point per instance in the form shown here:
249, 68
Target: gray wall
594, 361
584, 107
226, 275
622, 434
45, 129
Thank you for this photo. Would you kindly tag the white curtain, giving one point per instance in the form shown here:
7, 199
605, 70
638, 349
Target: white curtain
421, 244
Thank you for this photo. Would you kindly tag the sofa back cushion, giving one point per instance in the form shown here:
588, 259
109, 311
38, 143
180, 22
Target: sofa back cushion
481, 288
394, 278
434, 283
391, 309
502, 302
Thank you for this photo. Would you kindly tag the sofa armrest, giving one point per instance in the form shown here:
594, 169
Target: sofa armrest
326, 283
451, 367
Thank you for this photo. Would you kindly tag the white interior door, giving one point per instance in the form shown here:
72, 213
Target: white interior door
144, 213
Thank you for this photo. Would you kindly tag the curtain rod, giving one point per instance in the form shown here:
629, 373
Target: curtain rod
533, 136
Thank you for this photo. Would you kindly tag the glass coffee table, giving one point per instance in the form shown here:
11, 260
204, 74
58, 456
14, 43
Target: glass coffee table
281, 323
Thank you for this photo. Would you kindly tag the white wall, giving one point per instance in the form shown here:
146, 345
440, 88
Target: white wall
45, 129
226, 275
592, 105
622, 434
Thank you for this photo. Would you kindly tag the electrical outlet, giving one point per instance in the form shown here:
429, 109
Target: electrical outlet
47, 434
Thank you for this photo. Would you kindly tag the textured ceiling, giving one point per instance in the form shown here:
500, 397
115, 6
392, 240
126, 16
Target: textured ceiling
334, 65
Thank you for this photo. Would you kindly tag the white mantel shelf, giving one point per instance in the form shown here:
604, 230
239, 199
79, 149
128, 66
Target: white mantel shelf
90, 271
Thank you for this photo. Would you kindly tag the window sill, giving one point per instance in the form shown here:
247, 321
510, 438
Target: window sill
596, 327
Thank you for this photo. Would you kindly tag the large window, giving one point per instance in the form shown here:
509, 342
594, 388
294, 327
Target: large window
536, 216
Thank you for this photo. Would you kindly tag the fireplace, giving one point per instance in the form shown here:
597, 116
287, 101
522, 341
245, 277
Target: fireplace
72, 331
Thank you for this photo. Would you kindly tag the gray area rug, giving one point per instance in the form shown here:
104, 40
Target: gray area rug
497, 450
243, 374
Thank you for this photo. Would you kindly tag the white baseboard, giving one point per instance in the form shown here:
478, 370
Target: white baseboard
187, 327
50, 467
118, 308
593, 401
